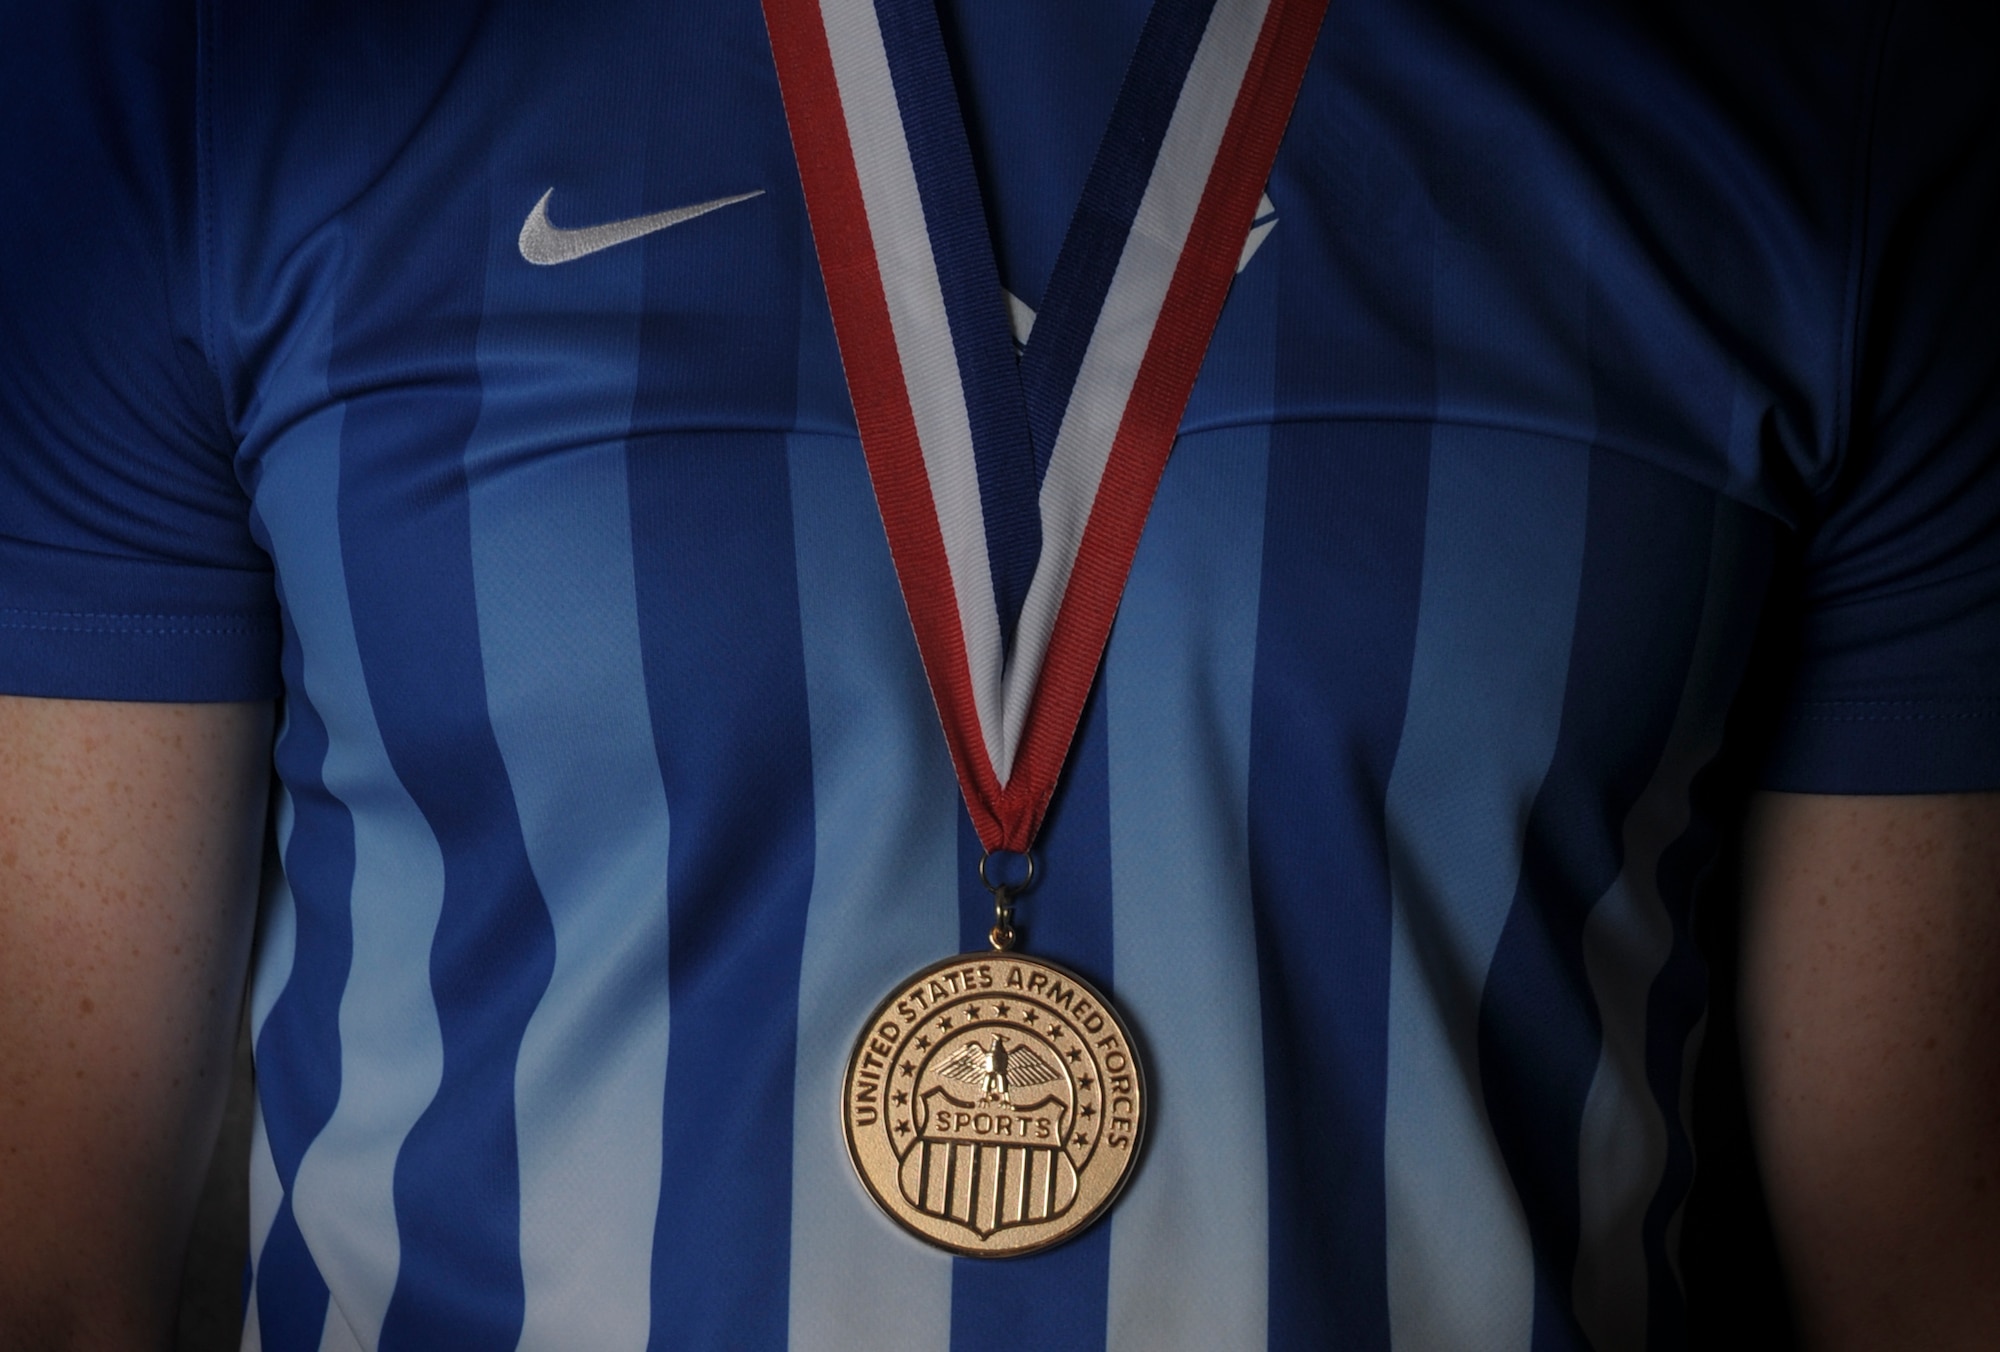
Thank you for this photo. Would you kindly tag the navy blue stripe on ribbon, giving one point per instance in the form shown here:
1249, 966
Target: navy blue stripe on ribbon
1111, 195
1009, 484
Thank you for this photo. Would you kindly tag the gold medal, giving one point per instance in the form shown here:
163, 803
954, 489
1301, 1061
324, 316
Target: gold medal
994, 1104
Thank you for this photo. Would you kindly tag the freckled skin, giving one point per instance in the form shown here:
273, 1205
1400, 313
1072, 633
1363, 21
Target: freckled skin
130, 838
1872, 1038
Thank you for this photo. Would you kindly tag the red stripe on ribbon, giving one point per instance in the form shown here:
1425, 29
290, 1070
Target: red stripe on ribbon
1151, 421
875, 383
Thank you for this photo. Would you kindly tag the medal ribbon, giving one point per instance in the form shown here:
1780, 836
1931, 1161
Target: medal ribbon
1013, 492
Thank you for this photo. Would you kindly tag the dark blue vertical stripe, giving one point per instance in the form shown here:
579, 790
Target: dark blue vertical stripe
404, 516
1639, 612
1679, 1001
1345, 511
1343, 542
970, 282
1096, 236
1056, 1298
1679, 998
298, 1051
725, 675
715, 572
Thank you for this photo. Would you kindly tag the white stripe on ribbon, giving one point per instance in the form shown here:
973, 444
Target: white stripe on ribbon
923, 341
1124, 330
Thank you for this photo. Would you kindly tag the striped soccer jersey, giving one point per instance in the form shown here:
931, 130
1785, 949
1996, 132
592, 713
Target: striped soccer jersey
1601, 423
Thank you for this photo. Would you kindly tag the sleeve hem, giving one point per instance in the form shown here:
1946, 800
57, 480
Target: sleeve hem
188, 659
1887, 747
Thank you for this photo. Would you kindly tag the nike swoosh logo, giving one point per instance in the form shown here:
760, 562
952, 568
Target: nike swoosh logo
545, 244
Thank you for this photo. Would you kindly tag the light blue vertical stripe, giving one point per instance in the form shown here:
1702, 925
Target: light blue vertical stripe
266, 1192
1627, 938
277, 927
1503, 557
884, 901
391, 1054
1189, 1243
277, 935
565, 690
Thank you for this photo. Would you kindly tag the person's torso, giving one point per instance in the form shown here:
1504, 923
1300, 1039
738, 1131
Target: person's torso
614, 795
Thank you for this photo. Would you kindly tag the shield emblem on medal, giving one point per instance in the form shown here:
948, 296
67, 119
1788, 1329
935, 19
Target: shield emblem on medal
990, 1146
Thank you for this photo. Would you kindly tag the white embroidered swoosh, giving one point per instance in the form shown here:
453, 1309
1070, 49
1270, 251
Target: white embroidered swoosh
545, 244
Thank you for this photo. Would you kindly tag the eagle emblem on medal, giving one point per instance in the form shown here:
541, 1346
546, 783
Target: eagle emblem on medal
994, 1104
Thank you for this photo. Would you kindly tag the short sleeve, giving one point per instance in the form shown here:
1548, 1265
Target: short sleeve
1897, 683
128, 569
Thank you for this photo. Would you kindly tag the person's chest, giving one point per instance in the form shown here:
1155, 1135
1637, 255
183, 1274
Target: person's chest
540, 292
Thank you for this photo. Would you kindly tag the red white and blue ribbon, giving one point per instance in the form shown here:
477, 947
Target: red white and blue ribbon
1014, 490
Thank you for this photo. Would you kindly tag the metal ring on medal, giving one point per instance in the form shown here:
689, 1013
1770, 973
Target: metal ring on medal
994, 1104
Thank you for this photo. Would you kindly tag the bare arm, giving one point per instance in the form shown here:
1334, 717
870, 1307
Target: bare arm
129, 846
1872, 1039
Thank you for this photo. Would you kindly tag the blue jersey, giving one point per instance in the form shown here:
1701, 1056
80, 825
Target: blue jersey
1603, 422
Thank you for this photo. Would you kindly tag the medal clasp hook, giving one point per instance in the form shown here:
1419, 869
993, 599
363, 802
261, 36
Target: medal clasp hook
1004, 933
